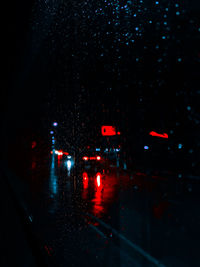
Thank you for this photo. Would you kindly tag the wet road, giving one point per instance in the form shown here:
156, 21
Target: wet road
112, 217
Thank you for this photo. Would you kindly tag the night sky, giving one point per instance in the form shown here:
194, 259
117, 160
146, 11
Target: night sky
131, 63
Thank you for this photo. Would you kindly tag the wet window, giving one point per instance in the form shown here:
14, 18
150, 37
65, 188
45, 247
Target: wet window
100, 133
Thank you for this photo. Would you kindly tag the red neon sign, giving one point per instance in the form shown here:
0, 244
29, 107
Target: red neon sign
108, 130
164, 135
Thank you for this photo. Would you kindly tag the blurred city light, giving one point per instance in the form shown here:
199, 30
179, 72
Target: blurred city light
85, 180
164, 135
180, 146
98, 179
108, 130
69, 165
59, 152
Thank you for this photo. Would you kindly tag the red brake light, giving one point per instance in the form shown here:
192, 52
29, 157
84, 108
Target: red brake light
85, 158
98, 158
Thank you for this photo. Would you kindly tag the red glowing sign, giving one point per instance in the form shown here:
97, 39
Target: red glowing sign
108, 130
152, 133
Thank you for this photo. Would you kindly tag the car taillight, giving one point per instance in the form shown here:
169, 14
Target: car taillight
85, 158
98, 158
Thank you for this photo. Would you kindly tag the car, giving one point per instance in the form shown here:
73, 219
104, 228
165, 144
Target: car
91, 159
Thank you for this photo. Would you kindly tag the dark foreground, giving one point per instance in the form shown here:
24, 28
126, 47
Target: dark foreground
99, 217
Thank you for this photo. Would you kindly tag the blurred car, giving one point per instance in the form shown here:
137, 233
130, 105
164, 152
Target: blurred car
91, 159
61, 153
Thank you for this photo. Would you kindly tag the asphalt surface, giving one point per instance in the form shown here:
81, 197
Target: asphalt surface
110, 217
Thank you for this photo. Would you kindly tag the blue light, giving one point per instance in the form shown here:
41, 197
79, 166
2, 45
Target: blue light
53, 177
98, 149
53, 141
69, 165
180, 146
188, 108
146, 147
51, 132
55, 124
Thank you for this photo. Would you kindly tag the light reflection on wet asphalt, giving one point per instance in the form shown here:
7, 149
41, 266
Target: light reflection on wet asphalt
150, 212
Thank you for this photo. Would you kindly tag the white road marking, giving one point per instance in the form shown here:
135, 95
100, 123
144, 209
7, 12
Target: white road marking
128, 242
97, 230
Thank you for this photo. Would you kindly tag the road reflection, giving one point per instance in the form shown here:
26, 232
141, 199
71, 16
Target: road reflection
53, 182
99, 191
147, 210
98, 207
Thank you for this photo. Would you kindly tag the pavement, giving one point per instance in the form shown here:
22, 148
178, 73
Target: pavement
15, 248
105, 218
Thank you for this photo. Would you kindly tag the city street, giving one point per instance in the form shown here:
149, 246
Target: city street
100, 126
112, 217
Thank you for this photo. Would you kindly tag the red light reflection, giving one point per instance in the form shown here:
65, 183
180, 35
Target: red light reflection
85, 180
98, 179
59, 160
98, 207
33, 145
99, 191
